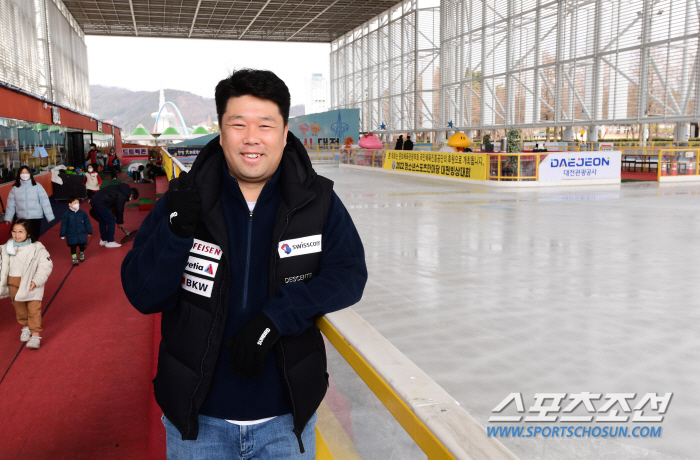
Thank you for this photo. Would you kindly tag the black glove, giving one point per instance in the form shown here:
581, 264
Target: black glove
249, 347
184, 207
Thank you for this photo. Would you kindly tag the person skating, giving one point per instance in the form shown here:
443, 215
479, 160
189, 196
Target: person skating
75, 229
112, 196
408, 144
399, 143
241, 255
24, 270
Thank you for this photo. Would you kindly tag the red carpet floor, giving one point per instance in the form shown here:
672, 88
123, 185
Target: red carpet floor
86, 393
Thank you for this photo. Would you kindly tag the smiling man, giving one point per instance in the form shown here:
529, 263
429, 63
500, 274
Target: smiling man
242, 255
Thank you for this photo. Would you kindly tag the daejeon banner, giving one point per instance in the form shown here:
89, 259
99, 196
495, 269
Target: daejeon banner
327, 128
465, 166
580, 165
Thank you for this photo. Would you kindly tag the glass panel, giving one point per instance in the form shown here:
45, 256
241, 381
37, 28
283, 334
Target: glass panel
353, 421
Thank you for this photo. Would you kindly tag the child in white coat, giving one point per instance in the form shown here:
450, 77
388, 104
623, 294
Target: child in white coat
24, 270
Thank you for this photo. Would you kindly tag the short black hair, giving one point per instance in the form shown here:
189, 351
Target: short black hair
262, 84
72, 198
92, 145
135, 193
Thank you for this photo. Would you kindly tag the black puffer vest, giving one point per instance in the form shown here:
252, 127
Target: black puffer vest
192, 333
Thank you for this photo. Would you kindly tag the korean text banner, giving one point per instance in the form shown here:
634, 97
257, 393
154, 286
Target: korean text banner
465, 166
327, 128
580, 165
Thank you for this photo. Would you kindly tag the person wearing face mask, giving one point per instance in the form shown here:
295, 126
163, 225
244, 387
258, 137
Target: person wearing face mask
75, 229
28, 200
92, 181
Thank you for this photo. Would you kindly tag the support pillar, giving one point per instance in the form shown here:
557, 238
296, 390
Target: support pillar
568, 134
593, 133
681, 133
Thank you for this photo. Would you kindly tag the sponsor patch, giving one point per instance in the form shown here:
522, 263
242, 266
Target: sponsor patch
299, 246
206, 249
197, 285
202, 267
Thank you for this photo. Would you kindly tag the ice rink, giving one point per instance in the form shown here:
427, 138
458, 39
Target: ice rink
558, 290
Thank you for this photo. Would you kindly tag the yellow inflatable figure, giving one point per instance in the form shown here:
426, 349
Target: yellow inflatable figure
459, 141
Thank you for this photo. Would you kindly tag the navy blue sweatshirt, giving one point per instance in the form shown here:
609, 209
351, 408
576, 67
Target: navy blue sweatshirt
154, 267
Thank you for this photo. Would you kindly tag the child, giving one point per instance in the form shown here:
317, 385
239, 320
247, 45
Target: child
91, 181
75, 229
24, 270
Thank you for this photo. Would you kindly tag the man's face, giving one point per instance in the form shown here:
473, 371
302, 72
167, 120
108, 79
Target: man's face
253, 136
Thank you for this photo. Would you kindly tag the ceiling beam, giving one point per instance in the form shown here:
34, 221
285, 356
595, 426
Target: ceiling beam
133, 18
194, 18
256, 17
315, 17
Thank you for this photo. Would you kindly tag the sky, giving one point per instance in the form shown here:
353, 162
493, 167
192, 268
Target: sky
149, 64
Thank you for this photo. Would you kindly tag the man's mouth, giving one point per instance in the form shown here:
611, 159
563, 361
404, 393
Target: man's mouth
252, 156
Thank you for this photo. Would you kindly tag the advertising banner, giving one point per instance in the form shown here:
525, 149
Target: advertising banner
465, 166
557, 167
184, 151
327, 128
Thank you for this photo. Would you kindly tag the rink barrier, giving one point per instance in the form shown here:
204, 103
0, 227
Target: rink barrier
435, 421
678, 164
171, 165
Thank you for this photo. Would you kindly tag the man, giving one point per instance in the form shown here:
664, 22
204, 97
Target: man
408, 145
242, 255
399, 143
102, 202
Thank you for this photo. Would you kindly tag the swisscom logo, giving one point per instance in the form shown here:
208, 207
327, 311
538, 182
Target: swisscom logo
300, 246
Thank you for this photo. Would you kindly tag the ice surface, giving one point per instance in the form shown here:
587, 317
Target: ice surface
567, 290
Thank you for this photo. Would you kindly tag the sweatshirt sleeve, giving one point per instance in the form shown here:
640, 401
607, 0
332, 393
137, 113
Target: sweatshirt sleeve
99, 180
339, 284
152, 271
119, 208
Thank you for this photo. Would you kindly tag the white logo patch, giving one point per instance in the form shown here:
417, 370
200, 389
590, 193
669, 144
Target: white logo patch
206, 249
197, 285
174, 214
299, 246
202, 267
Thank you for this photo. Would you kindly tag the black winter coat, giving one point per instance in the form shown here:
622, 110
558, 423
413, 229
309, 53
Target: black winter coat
301, 288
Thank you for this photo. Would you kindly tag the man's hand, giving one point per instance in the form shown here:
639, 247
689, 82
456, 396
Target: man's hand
184, 207
250, 346
120, 226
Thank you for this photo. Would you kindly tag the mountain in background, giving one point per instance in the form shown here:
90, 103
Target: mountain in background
127, 108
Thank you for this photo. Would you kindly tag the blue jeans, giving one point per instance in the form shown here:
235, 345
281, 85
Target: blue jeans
107, 222
219, 440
